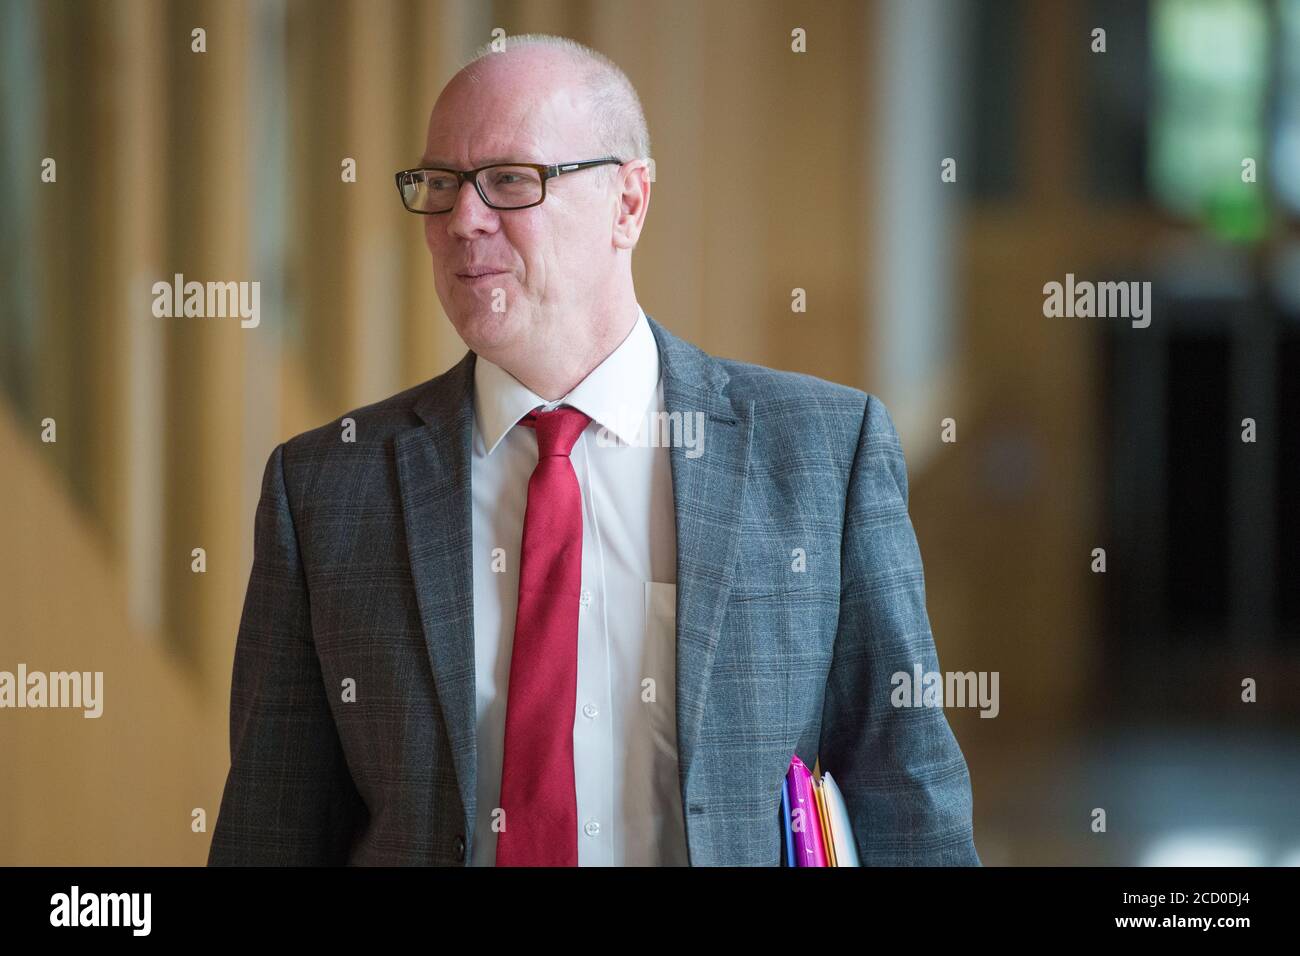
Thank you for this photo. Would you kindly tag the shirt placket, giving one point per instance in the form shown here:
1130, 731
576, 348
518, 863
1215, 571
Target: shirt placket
593, 739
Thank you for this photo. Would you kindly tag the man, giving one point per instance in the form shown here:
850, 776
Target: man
579, 599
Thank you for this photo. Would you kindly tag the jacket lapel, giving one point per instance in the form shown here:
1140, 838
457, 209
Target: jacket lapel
708, 495
433, 475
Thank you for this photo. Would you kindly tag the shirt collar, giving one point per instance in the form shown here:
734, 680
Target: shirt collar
615, 394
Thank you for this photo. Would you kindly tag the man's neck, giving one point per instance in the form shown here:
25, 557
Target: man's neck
554, 377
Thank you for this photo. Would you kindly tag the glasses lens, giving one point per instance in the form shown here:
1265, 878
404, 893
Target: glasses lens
429, 190
508, 187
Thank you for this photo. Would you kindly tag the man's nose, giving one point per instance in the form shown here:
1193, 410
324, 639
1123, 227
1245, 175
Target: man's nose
469, 214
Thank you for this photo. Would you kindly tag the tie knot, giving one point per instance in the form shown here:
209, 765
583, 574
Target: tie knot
556, 430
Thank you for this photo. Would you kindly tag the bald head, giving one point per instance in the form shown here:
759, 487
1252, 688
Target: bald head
605, 93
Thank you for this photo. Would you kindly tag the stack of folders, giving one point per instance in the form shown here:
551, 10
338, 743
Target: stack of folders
814, 819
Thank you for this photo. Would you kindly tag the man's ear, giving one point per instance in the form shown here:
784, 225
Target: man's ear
633, 203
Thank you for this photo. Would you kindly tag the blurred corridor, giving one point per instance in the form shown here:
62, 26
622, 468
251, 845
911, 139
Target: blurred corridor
1121, 690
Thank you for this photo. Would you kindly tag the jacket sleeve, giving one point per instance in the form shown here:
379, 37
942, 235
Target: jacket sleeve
289, 799
902, 774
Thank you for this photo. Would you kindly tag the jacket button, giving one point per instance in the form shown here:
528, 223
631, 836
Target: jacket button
460, 848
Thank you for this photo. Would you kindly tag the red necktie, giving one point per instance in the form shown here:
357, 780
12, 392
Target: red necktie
537, 788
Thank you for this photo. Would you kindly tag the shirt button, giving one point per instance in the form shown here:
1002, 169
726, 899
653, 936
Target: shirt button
585, 598
590, 710
460, 847
592, 828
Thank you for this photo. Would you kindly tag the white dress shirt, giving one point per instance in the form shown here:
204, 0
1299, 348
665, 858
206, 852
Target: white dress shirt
625, 720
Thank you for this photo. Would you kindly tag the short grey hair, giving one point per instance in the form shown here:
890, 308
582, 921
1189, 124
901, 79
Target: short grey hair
617, 116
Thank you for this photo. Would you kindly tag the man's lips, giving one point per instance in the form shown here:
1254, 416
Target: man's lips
482, 280
479, 272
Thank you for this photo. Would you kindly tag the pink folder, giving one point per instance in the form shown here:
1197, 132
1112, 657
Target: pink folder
809, 848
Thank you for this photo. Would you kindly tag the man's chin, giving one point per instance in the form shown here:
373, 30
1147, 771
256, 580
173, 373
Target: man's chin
483, 329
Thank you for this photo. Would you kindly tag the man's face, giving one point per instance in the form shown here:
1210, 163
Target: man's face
550, 261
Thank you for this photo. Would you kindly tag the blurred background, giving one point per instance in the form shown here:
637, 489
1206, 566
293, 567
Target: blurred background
1118, 690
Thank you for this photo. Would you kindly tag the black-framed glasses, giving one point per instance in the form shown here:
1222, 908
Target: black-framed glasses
430, 191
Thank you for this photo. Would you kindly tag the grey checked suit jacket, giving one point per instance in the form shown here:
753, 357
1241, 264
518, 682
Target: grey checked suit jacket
362, 570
